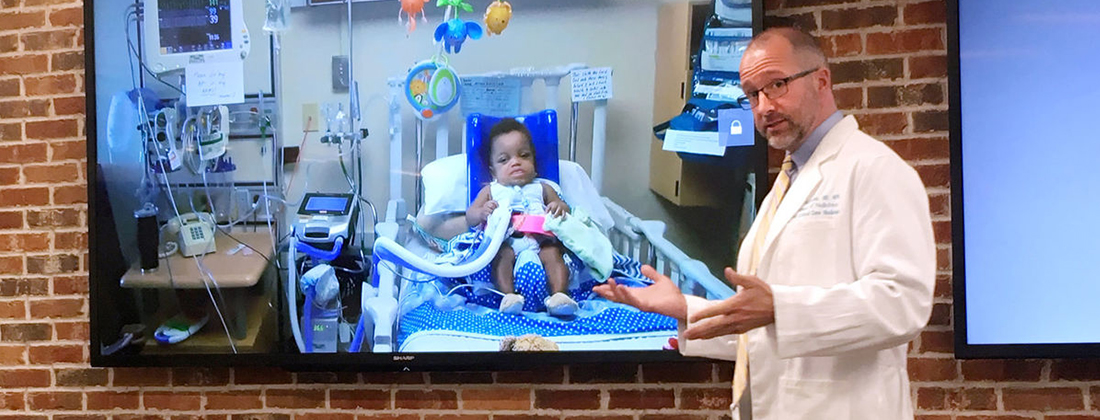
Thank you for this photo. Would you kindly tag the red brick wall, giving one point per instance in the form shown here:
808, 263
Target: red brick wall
890, 68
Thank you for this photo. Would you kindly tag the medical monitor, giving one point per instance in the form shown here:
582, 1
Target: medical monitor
179, 32
1024, 225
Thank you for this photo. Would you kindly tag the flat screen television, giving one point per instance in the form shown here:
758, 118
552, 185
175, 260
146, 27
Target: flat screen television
1024, 195
269, 188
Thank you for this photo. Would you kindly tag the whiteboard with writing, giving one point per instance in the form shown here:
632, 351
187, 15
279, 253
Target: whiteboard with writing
591, 84
215, 83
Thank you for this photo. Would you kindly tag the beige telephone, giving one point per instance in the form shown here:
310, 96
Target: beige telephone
195, 233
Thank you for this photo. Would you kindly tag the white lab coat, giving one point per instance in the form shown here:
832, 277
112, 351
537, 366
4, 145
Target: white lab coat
851, 260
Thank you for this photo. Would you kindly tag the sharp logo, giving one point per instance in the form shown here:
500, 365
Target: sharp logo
403, 358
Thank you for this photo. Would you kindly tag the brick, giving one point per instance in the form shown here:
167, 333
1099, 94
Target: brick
932, 369
806, 21
943, 286
24, 286
928, 66
867, 70
65, 150
972, 399
914, 149
21, 20
361, 399
52, 129
1045, 399
63, 195
605, 373
141, 377
1001, 370
55, 400
858, 18
426, 399
294, 398
943, 259
327, 415
940, 205
29, 378
905, 41
8, 44
25, 64
880, 124
69, 106
937, 341
11, 401
73, 16
22, 108
674, 417
931, 12
75, 285
50, 85
567, 399
200, 377
57, 308
845, 45
23, 153
51, 173
11, 265
496, 399
326, 378
809, 3
15, 309
1075, 370
9, 175
52, 264
461, 377
49, 40
11, 132
927, 121
931, 398
936, 175
848, 98
905, 95
22, 242
71, 330
942, 232
24, 332
522, 417
73, 60
107, 400
81, 377
690, 372
261, 376
174, 401
457, 417
10, 87
53, 218
235, 400
641, 399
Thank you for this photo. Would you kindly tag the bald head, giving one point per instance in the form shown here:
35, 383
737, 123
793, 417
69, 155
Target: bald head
804, 47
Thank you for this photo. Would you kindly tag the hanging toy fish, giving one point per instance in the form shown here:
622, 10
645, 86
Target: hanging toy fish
497, 16
411, 8
454, 32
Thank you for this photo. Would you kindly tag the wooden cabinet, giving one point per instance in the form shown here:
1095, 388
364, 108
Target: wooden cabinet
679, 30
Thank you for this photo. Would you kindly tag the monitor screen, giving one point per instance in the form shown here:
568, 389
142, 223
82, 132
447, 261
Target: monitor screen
188, 26
327, 204
1024, 209
332, 233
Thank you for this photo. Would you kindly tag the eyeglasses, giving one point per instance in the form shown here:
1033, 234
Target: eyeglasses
775, 89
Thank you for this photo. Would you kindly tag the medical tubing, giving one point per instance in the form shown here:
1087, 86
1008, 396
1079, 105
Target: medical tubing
307, 320
390, 250
360, 331
291, 296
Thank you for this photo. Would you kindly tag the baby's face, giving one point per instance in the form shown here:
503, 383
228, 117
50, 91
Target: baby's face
512, 159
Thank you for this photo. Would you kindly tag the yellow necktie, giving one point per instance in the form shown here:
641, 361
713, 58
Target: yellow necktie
741, 369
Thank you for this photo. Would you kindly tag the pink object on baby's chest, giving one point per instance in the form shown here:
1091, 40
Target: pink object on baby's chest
529, 223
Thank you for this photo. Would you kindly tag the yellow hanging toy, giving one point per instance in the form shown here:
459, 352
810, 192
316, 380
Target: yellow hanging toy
497, 16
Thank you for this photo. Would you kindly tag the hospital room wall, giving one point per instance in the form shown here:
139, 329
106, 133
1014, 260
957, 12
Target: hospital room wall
620, 34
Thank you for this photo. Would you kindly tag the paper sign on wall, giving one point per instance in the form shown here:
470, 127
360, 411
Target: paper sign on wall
699, 142
218, 83
591, 84
496, 96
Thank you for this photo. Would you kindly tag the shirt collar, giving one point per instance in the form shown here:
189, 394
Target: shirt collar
802, 155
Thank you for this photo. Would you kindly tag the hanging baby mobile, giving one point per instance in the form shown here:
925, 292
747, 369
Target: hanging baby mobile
432, 87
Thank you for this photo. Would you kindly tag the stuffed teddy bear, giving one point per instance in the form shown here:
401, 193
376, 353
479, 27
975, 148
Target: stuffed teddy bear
528, 342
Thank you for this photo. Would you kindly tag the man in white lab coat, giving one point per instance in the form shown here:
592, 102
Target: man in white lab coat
844, 272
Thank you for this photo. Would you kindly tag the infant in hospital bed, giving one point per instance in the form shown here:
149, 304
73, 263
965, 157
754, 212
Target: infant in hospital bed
510, 153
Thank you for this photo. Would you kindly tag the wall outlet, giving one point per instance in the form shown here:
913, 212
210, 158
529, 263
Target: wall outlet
311, 117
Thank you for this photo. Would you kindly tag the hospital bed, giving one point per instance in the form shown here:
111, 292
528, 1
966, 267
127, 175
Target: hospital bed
406, 310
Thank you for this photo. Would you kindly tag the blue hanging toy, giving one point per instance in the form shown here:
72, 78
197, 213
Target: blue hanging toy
454, 32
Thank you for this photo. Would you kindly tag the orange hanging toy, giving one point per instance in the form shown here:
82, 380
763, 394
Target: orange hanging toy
411, 8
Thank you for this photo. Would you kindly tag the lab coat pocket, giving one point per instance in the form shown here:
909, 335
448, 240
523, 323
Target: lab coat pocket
813, 399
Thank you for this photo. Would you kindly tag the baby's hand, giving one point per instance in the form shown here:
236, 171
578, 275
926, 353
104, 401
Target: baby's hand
486, 210
557, 208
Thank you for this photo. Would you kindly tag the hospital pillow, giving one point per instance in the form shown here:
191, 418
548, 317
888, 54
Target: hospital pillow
445, 189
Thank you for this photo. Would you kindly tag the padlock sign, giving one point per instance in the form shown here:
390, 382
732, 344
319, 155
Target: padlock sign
735, 127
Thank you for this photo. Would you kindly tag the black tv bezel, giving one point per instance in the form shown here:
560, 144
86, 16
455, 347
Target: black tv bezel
963, 349
291, 360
